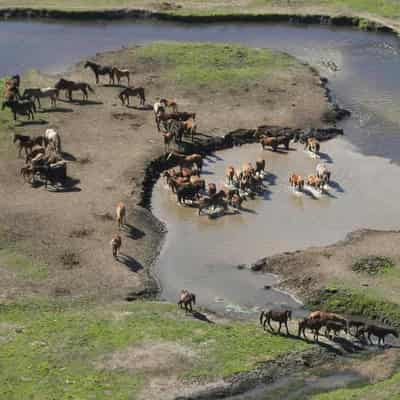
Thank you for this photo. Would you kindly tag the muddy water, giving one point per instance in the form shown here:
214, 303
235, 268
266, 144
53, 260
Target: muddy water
201, 254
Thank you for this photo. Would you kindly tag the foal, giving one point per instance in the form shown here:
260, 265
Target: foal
121, 73
121, 214
116, 243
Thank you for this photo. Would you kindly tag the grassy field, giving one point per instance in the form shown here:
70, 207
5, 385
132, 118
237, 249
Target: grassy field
57, 350
375, 8
206, 64
5, 123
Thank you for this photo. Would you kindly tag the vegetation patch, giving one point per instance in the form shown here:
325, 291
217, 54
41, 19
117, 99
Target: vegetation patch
24, 268
358, 302
5, 124
373, 265
58, 347
206, 64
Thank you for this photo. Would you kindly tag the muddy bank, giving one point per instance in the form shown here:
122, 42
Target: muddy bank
120, 14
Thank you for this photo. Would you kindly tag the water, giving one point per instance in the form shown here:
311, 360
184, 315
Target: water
202, 254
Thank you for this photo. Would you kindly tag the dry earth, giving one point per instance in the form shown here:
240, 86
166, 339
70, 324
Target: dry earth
108, 146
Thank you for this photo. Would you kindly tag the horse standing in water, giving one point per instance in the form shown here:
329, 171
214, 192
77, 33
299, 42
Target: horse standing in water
101, 70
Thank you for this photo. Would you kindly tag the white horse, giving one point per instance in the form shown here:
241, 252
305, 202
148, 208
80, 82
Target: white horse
51, 136
323, 172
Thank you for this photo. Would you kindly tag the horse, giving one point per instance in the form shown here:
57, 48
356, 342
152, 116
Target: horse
24, 143
313, 324
38, 93
315, 181
25, 107
172, 104
188, 161
187, 192
168, 136
334, 326
378, 331
296, 181
274, 142
325, 316
190, 127
11, 88
230, 174
101, 70
121, 214
260, 166
355, 324
278, 316
164, 117
312, 145
186, 299
52, 136
323, 172
71, 86
121, 73
116, 243
132, 92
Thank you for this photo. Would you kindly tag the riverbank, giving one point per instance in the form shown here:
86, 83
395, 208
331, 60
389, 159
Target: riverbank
365, 15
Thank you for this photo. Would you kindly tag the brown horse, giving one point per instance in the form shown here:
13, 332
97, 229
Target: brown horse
315, 182
168, 103
71, 86
121, 73
100, 70
296, 181
132, 92
325, 316
274, 142
230, 174
121, 214
116, 243
334, 326
190, 127
278, 316
11, 88
313, 324
186, 299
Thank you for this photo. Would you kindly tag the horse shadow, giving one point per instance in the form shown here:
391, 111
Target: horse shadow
114, 85
266, 194
201, 317
336, 186
33, 122
56, 110
248, 210
69, 185
130, 262
270, 178
86, 102
67, 156
132, 232
279, 151
325, 157
347, 345
146, 107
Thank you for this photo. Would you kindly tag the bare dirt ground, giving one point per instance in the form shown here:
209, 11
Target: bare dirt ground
308, 271
108, 146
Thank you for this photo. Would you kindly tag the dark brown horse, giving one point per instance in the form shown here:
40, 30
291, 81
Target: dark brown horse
24, 107
313, 324
132, 92
186, 299
71, 86
278, 316
377, 331
101, 70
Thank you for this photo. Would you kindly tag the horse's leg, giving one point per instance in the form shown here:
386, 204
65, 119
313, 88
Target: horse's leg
287, 329
280, 326
38, 100
129, 80
97, 77
269, 324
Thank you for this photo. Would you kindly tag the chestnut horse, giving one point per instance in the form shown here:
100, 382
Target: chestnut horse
121, 214
116, 243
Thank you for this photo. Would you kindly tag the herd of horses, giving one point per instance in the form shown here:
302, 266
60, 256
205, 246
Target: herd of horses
42, 153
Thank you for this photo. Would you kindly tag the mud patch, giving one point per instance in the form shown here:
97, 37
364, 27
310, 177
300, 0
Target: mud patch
70, 260
159, 358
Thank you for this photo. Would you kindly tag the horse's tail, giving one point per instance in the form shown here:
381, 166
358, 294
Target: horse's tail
90, 88
143, 96
194, 298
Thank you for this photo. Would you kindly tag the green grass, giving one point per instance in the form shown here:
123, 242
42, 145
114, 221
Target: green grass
24, 268
388, 389
53, 350
205, 64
